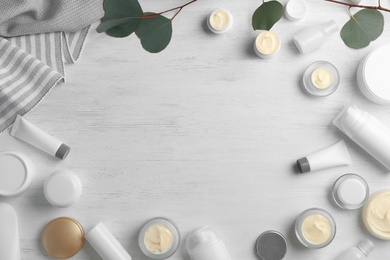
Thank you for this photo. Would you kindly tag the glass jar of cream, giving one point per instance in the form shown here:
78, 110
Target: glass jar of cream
159, 238
315, 228
376, 214
321, 78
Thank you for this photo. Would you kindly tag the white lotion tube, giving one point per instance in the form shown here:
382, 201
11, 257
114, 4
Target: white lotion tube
102, 240
367, 131
9, 233
29, 133
332, 156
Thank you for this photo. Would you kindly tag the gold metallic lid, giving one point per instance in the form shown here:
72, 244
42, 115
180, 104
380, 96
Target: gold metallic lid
63, 237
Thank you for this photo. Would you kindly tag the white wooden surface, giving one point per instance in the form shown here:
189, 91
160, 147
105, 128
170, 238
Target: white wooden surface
205, 133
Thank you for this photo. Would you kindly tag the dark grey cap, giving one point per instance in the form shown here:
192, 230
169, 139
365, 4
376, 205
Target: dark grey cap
303, 165
62, 151
271, 245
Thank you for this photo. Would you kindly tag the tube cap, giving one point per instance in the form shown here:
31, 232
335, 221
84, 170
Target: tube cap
366, 246
108, 247
9, 235
62, 151
303, 165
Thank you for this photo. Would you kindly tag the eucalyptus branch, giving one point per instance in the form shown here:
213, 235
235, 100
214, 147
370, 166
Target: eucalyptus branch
379, 7
179, 8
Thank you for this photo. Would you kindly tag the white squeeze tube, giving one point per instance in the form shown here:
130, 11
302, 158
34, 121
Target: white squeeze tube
332, 156
367, 131
9, 233
29, 133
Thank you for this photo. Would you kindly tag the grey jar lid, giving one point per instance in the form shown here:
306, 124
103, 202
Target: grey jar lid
271, 245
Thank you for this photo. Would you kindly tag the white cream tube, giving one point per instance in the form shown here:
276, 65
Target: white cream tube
29, 133
334, 155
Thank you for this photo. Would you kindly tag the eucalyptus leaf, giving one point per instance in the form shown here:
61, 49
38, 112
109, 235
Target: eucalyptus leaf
155, 32
121, 17
364, 27
267, 15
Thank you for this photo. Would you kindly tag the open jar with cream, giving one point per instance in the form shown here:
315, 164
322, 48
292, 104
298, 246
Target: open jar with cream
376, 214
321, 78
159, 238
315, 228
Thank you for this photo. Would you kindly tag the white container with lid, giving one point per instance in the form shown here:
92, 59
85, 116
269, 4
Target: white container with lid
204, 244
16, 173
372, 75
365, 130
267, 44
350, 191
108, 247
9, 235
62, 188
295, 10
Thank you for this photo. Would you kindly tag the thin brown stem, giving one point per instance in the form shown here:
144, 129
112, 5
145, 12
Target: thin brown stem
379, 7
178, 8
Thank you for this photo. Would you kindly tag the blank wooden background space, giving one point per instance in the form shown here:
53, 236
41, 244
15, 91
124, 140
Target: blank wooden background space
205, 133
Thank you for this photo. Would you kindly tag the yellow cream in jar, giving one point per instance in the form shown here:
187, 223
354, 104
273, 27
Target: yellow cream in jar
219, 20
158, 239
322, 78
316, 229
376, 215
267, 43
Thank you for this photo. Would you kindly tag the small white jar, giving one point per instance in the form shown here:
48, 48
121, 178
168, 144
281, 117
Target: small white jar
166, 225
372, 75
322, 220
220, 21
62, 188
295, 10
350, 191
16, 173
267, 44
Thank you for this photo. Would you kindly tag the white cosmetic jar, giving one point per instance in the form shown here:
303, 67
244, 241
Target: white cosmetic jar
372, 75
268, 40
350, 191
16, 173
224, 17
62, 188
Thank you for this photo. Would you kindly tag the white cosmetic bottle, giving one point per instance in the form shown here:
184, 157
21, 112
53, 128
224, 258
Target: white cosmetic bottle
359, 252
312, 38
367, 131
204, 244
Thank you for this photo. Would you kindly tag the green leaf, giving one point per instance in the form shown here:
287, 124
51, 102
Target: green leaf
121, 17
363, 27
155, 32
267, 15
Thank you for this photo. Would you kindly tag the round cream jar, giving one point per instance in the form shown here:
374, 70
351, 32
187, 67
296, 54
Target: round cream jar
220, 21
267, 44
315, 228
372, 75
159, 238
16, 173
321, 78
376, 214
350, 191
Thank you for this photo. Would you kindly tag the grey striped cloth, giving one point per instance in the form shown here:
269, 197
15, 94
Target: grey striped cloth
36, 38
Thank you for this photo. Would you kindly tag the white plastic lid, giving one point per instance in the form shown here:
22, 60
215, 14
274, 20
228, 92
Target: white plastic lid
375, 75
352, 192
108, 247
16, 173
9, 235
62, 188
204, 244
295, 9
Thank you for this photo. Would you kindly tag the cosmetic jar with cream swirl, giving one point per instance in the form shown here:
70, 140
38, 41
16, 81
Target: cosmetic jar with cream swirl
159, 238
220, 21
267, 44
376, 214
321, 78
315, 228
